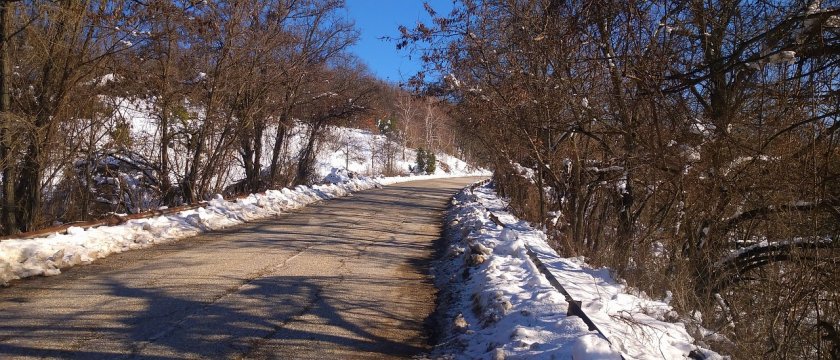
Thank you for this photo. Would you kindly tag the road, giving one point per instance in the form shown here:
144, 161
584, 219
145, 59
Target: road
347, 278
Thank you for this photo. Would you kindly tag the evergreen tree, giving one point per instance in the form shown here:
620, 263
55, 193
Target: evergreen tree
431, 162
387, 127
421, 161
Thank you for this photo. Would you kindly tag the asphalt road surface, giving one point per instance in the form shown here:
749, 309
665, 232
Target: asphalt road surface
343, 279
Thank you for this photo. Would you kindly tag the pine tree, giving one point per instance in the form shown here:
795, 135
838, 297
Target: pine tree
421, 161
431, 162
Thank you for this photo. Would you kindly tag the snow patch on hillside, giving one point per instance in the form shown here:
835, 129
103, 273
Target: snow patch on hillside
355, 150
362, 152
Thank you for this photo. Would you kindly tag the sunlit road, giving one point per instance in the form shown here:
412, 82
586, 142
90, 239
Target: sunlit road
346, 278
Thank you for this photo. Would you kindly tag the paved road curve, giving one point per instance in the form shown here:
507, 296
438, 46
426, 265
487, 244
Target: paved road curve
344, 279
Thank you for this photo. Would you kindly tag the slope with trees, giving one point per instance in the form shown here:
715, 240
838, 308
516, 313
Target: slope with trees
126, 106
689, 145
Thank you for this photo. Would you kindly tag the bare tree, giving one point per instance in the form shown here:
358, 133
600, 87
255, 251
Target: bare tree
689, 145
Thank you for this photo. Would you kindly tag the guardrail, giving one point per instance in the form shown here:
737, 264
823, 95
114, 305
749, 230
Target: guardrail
575, 308
574, 305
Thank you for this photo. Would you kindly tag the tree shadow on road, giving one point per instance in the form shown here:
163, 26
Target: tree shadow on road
256, 317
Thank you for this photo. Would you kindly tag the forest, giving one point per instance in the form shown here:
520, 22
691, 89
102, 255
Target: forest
126, 106
689, 145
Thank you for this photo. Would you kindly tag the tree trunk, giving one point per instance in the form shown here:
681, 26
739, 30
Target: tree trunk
9, 220
279, 139
190, 187
167, 197
256, 181
251, 145
307, 157
29, 185
247, 152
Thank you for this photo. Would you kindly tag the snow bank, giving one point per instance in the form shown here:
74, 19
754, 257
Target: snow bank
499, 305
20, 258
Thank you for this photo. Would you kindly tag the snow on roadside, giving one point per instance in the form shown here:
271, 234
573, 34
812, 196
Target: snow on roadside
495, 303
20, 258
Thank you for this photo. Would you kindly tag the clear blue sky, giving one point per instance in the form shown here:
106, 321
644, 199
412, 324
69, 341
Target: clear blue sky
378, 18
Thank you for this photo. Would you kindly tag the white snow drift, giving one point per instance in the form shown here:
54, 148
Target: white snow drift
499, 305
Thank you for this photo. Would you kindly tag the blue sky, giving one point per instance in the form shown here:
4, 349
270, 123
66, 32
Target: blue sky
378, 18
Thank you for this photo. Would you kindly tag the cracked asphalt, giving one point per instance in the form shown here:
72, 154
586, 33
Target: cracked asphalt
342, 279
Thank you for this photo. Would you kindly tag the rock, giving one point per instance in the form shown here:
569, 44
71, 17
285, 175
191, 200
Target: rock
478, 248
460, 324
455, 251
506, 305
498, 354
477, 259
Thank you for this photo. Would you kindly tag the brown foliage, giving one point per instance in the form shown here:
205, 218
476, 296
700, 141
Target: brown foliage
224, 84
691, 146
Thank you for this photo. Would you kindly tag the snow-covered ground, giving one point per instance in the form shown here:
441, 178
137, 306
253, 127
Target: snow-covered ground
363, 152
359, 151
20, 258
499, 305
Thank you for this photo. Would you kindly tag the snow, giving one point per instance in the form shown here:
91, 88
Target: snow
47, 256
598, 170
782, 57
524, 172
700, 128
832, 22
764, 243
362, 152
811, 20
741, 160
106, 79
691, 154
452, 80
338, 176
501, 305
